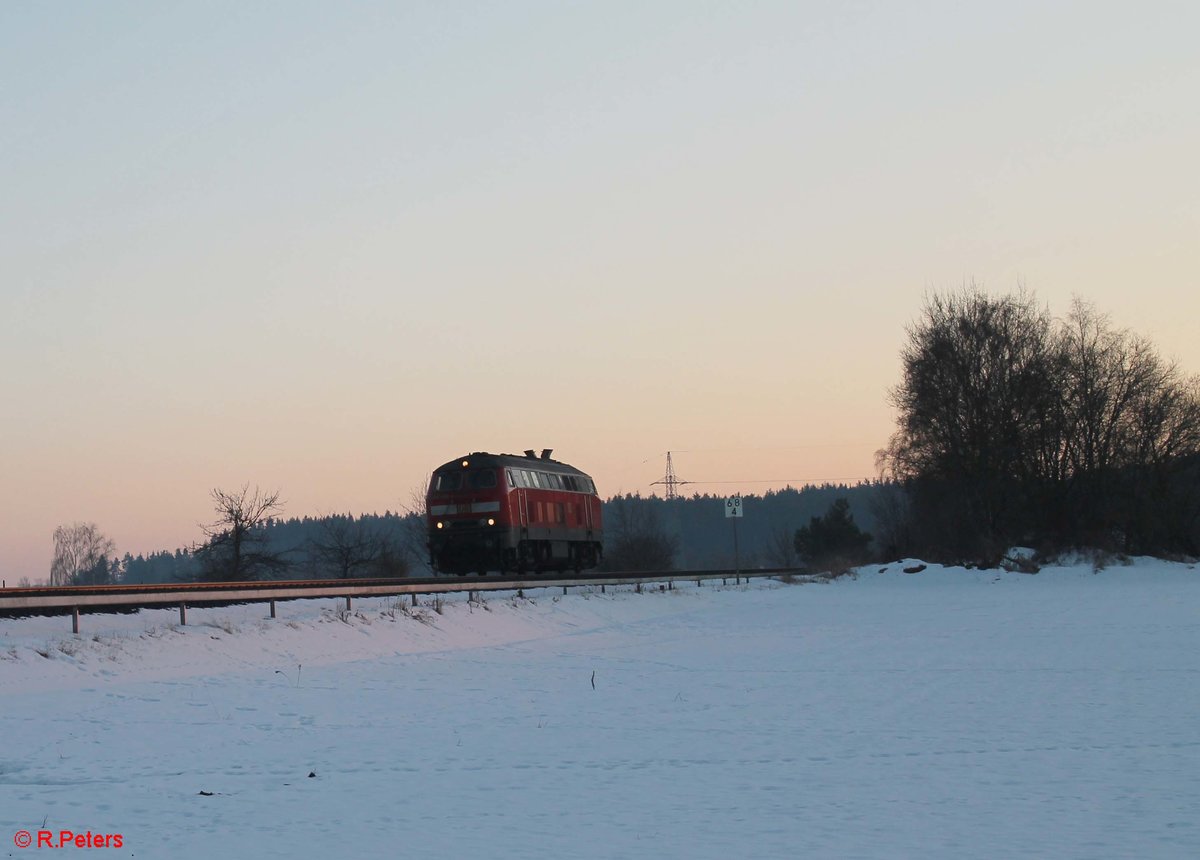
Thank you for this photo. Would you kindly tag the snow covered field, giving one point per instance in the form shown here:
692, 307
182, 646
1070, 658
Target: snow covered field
944, 714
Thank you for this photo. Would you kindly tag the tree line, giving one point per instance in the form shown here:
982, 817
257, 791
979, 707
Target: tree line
250, 539
1016, 427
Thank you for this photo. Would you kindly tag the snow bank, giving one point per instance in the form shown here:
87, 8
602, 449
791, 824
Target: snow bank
939, 714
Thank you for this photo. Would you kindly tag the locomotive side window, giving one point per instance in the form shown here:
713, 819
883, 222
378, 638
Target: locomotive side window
555, 483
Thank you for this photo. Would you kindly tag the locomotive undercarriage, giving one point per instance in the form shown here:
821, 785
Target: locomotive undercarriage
464, 554
539, 555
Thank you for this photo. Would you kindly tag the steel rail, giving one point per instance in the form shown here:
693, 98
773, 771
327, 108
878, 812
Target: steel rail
98, 598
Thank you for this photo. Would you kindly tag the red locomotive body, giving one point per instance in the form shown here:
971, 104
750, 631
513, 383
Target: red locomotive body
507, 512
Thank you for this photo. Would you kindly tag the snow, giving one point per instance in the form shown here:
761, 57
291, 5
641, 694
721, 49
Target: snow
942, 714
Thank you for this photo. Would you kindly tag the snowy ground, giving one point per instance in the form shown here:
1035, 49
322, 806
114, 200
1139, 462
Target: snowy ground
944, 714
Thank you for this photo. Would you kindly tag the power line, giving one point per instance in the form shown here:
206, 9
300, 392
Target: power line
775, 447
784, 481
671, 482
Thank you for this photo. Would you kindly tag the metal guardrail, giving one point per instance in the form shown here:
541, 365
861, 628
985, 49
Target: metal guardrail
64, 600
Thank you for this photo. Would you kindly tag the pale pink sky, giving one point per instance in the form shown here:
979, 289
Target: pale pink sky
322, 249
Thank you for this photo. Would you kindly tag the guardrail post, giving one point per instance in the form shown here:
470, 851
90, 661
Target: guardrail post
272, 608
347, 602
602, 589
414, 600
564, 591
670, 585
639, 587
75, 620
183, 615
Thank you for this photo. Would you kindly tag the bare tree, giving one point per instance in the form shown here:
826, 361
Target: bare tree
81, 556
635, 537
781, 547
347, 545
414, 542
394, 560
891, 508
979, 397
236, 548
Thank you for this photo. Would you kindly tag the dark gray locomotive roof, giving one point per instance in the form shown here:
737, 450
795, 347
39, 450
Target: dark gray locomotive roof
512, 461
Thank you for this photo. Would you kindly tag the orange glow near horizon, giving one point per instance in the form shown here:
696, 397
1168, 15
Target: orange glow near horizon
330, 257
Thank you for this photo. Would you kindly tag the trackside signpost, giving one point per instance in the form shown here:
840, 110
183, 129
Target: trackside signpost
733, 511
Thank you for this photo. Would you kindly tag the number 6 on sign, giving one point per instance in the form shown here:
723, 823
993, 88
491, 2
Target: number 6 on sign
733, 506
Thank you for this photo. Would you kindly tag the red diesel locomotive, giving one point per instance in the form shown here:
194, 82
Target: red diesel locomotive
507, 512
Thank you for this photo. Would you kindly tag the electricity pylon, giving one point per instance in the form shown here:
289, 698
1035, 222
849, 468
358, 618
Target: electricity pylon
670, 481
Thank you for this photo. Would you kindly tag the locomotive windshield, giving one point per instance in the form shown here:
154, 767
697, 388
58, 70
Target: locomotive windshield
481, 479
475, 479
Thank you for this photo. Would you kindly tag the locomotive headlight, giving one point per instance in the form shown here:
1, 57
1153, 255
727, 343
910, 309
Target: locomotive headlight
491, 522
466, 463
440, 524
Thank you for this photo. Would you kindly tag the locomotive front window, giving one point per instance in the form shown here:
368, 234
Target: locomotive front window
447, 481
481, 479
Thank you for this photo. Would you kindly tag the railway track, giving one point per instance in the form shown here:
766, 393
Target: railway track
74, 600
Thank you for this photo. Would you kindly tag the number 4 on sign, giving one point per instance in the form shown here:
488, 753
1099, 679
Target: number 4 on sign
733, 506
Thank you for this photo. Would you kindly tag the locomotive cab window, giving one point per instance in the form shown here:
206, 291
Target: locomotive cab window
447, 481
482, 479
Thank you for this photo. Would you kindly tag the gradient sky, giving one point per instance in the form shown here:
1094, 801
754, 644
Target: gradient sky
325, 247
